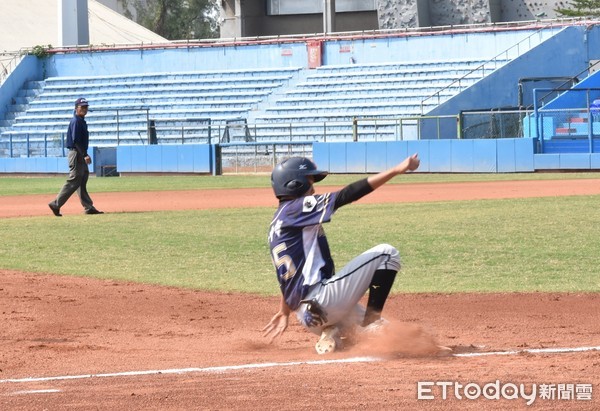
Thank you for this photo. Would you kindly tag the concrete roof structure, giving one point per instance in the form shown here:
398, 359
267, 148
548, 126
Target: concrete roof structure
29, 23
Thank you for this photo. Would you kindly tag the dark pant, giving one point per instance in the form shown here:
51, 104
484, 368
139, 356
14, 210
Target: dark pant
77, 181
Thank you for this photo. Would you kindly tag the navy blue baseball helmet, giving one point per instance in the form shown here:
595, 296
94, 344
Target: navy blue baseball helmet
289, 178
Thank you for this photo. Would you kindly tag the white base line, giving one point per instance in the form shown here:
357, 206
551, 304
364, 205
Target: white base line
50, 391
282, 364
530, 351
191, 370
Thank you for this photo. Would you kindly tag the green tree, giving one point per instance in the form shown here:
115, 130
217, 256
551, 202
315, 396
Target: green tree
177, 19
581, 8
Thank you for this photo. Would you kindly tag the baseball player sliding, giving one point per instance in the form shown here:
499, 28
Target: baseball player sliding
326, 301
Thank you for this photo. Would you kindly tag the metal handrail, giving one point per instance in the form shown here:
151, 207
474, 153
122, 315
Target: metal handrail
7, 69
482, 66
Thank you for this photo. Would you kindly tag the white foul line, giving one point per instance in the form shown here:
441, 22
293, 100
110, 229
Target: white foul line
190, 370
35, 392
226, 368
530, 351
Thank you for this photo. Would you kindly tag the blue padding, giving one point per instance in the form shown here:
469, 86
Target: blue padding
440, 156
21, 164
124, 159
154, 158
484, 160
396, 152
376, 153
138, 159
356, 155
202, 158
169, 158
189, 158
321, 155
337, 157
63, 164
184, 158
575, 161
421, 147
546, 161
506, 162
595, 161
6, 165
57, 165
40, 165
524, 149
462, 156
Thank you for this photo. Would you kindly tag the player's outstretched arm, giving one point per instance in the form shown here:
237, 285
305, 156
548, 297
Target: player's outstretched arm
278, 323
409, 164
358, 189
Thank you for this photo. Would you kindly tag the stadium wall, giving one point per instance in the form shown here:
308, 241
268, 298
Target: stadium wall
362, 50
437, 156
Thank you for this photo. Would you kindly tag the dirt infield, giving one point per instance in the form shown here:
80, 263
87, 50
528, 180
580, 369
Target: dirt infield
75, 343
30, 205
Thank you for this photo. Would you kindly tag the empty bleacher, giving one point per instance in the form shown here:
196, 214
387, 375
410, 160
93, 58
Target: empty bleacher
122, 107
340, 94
278, 104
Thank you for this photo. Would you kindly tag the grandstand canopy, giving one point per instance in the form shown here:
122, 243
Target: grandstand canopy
28, 23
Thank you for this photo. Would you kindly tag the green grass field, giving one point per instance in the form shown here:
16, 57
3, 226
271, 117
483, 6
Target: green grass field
545, 244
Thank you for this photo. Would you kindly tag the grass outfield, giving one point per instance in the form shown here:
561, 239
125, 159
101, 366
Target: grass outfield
51, 185
535, 244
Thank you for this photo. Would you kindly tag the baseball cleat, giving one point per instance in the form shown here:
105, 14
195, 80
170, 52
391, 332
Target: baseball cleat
329, 341
375, 327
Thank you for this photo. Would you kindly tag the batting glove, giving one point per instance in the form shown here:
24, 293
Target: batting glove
314, 316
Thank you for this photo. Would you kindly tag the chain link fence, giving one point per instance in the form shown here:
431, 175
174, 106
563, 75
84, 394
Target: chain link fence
494, 124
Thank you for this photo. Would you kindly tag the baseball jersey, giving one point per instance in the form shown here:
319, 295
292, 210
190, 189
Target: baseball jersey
299, 247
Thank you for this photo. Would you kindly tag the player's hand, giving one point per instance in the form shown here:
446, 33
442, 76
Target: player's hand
314, 316
411, 163
276, 326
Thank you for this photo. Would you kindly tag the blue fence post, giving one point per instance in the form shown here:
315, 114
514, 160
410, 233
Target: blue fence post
45, 145
590, 121
538, 127
27, 145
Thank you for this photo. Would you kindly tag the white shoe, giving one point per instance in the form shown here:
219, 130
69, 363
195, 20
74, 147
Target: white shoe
375, 327
329, 341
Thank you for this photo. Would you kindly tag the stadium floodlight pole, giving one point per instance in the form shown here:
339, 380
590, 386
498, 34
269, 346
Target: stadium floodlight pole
328, 16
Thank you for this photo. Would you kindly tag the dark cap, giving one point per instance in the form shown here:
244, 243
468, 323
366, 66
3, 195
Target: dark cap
81, 102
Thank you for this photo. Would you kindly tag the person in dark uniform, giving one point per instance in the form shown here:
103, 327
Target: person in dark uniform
326, 300
77, 143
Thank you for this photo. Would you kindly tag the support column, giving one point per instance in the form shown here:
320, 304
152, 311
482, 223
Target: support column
328, 16
73, 26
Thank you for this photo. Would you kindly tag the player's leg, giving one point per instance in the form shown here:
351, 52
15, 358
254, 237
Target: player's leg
379, 289
375, 269
338, 297
84, 197
72, 183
